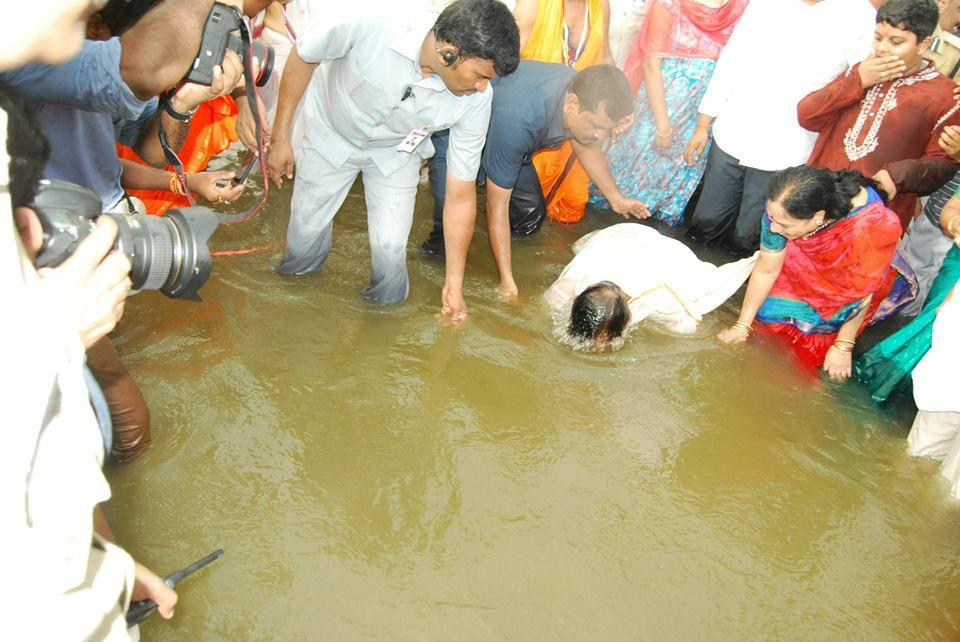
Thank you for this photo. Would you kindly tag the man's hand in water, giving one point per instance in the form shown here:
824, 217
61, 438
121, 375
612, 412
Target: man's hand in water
627, 207
149, 585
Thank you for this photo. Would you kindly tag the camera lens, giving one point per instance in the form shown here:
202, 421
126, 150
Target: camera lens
168, 253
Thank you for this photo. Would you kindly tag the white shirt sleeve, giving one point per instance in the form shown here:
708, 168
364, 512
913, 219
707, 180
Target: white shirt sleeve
331, 37
467, 138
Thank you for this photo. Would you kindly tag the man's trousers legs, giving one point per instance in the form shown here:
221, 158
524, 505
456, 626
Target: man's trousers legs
318, 192
390, 201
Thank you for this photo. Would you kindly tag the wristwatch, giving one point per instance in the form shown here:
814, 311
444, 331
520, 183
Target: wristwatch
167, 105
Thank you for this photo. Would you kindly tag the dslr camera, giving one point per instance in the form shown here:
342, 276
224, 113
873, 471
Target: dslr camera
167, 253
219, 34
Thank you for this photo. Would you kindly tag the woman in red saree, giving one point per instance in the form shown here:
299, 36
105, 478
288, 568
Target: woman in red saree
828, 266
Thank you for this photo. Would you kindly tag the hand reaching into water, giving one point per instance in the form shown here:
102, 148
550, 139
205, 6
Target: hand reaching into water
627, 207
838, 364
733, 335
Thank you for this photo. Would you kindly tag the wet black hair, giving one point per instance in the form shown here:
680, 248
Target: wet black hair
27, 146
803, 191
603, 84
599, 313
483, 29
120, 15
919, 17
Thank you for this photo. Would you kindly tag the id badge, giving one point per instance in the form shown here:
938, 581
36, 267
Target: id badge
412, 141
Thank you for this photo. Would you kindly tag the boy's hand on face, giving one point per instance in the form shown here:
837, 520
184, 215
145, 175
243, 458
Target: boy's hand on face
874, 70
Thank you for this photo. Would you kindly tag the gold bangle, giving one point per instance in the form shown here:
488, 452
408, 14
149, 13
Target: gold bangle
740, 325
175, 186
669, 132
846, 341
842, 347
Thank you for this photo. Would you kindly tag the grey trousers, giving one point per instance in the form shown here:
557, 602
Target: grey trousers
924, 247
319, 191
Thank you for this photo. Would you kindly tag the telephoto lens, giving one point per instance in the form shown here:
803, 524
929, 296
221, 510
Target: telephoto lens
167, 253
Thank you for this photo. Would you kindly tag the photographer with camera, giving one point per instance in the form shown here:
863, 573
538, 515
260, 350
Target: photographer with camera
70, 583
84, 107
395, 74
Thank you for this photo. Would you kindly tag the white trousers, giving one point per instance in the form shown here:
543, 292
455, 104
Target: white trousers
318, 192
935, 435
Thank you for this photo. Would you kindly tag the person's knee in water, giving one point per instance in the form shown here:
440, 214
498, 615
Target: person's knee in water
599, 314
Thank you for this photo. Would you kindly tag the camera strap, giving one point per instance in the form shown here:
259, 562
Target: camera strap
253, 99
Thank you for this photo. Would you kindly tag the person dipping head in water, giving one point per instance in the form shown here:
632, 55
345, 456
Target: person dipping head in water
630, 272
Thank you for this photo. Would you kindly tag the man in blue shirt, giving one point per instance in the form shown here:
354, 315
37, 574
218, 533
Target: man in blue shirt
537, 107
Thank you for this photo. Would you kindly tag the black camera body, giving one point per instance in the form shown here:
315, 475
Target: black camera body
219, 36
167, 253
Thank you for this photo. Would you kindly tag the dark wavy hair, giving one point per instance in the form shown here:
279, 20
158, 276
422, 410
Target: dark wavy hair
919, 17
599, 313
603, 84
27, 146
803, 191
483, 29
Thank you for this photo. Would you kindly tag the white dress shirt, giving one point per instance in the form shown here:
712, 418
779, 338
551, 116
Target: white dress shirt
780, 51
360, 100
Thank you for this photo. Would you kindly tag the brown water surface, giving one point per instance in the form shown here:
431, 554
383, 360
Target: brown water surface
374, 475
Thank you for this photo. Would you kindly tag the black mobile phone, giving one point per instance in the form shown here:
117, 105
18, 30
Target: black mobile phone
247, 164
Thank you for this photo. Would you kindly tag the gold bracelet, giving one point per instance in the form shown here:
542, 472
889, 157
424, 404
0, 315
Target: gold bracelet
669, 132
740, 325
843, 347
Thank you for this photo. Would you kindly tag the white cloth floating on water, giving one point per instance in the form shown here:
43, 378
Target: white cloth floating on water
666, 281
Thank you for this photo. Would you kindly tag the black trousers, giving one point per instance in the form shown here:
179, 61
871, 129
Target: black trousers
527, 207
731, 204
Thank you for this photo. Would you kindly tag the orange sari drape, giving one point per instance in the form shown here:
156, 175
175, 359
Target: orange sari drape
213, 129
569, 199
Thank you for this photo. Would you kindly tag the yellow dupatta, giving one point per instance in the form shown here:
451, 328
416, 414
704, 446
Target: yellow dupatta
567, 200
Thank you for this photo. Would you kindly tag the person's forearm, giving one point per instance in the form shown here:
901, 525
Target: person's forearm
148, 145
137, 176
656, 96
851, 327
498, 225
594, 163
758, 289
459, 219
296, 77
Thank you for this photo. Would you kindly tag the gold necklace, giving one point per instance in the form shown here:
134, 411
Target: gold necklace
815, 230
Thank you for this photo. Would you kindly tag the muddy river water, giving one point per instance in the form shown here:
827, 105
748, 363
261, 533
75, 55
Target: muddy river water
375, 475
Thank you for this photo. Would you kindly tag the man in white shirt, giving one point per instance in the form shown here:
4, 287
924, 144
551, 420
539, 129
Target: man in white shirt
396, 73
780, 51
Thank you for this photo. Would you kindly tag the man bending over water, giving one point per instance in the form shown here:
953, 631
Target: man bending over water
630, 272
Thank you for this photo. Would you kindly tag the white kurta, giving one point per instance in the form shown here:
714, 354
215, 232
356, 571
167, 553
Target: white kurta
666, 281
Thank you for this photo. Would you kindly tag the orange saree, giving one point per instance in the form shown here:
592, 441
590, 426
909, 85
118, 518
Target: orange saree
564, 191
213, 129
